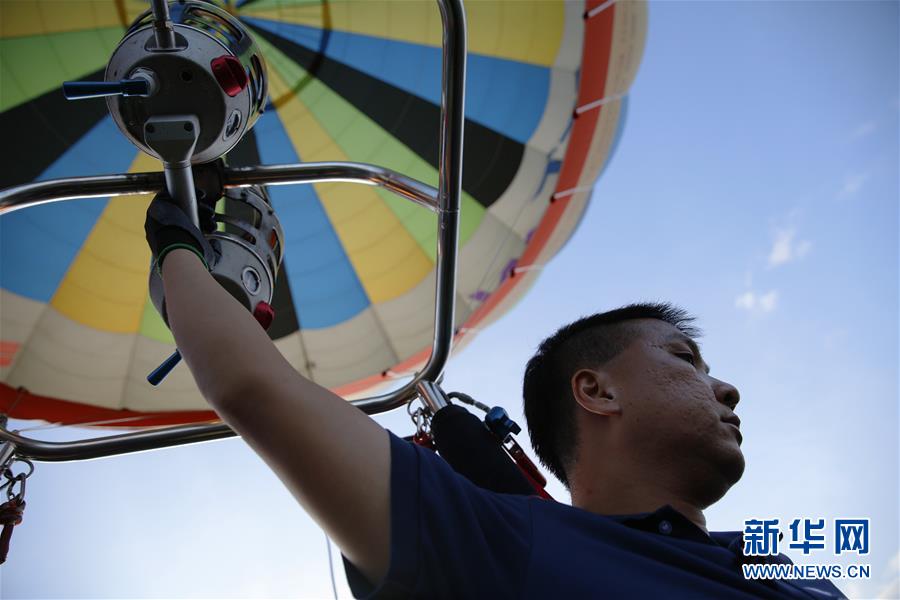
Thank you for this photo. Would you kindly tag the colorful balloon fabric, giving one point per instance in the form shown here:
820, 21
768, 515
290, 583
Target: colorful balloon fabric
349, 81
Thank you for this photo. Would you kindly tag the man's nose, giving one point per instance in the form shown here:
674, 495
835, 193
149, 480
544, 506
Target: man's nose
726, 393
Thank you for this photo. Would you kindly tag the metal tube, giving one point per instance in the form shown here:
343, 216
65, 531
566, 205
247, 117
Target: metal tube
432, 395
162, 24
448, 202
406, 187
101, 186
173, 138
6, 451
71, 188
180, 184
450, 185
116, 444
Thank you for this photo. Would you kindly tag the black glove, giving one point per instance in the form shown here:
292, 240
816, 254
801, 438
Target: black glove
168, 228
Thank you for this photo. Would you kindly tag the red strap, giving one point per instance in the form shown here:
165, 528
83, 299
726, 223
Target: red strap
424, 439
10, 516
529, 470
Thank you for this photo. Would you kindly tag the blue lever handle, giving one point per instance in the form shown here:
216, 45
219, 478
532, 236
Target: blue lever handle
78, 90
160, 372
500, 424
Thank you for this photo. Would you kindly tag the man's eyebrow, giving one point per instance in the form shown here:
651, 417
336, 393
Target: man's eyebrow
693, 345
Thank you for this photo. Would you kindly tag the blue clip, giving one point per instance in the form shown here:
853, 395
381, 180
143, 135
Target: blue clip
500, 424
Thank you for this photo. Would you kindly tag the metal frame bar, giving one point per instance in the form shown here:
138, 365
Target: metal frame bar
102, 186
445, 201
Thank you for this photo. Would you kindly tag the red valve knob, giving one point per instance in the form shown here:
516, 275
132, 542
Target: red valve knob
230, 74
264, 314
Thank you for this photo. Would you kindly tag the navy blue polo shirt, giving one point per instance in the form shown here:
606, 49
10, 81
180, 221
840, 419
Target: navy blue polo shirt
452, 539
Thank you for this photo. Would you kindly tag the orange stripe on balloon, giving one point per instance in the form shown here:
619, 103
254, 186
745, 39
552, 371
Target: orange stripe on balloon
22, 404
7, 352
595, 60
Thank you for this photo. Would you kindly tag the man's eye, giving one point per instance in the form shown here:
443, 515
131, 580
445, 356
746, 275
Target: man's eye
686, 356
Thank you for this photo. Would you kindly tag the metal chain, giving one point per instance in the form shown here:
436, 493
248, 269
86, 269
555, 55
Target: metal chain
421, 418
11, 479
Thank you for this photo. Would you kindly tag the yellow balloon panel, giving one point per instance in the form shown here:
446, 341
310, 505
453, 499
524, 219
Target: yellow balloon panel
387, 259
524, 30
20, 18
107, 290
357, 81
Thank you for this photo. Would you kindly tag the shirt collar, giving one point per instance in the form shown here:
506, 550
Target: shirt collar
669, 522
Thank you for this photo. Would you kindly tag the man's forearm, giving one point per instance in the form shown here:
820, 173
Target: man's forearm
219, 339
332, 457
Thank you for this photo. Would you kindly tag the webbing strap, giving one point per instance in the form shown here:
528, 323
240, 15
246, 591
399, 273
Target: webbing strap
10, 516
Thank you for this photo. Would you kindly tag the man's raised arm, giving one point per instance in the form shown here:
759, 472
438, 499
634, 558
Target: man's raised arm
332, 457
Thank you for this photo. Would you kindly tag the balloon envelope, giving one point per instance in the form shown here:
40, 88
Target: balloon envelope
357, 81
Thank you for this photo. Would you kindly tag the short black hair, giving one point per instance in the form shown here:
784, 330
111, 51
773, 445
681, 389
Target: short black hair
588, 342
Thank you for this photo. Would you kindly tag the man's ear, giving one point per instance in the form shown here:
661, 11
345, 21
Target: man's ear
595, 393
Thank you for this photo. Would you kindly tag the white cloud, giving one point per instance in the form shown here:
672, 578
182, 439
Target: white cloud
864, 129
757, 303
891, 590
767, 301
853, 589
852, 184
746, 300
785, 249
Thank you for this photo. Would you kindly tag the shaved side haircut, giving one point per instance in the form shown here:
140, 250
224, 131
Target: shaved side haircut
589, 342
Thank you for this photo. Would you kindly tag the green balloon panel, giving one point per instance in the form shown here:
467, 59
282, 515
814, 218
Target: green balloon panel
355, 81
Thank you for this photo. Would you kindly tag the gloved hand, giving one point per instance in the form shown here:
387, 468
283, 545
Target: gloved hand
168, 228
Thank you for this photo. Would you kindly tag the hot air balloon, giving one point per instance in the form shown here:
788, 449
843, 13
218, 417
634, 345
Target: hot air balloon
348, 81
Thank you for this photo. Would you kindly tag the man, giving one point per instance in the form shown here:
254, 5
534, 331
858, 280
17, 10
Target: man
621, 407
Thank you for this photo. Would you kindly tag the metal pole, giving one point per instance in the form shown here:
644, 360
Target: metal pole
448, 202
102, 186
73, 188
432, 395
453, 94
406, 187
180, 184
174, 138
6, 451
162, 24
124, 443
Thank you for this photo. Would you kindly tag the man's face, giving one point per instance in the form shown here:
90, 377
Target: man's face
674, 414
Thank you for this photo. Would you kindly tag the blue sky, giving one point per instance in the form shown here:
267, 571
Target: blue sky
756, 185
